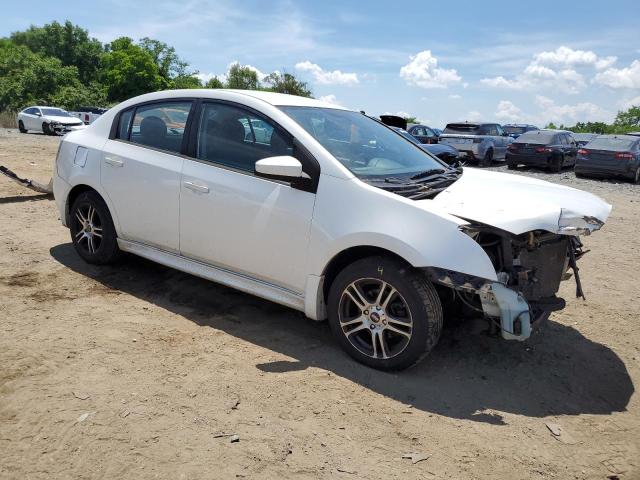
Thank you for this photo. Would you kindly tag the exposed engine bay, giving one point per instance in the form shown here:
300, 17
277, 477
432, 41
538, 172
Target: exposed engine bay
529, 268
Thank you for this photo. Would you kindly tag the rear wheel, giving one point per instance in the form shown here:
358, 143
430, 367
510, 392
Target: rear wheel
21, 127
92, 231
487, 159
557, 163
511, 166
384, 313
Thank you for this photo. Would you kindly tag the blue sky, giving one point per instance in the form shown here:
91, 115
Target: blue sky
439, 61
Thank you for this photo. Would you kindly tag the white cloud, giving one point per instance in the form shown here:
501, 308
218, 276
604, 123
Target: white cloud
568, 57
553, 70
508, 112
326, 77
455, 96
630, 102
331, 98
423, 71
628, 77
570, 114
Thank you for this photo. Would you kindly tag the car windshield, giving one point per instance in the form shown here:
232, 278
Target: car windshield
54, 112
464, 128
366, 147
616, 144
516, 130
536, 137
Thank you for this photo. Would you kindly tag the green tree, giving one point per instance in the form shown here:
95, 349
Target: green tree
243, 78
129, 70
214, 83
411, 119
628, 118
186, 81
68, 43
27, 78
287, 83
170, 65
551, 126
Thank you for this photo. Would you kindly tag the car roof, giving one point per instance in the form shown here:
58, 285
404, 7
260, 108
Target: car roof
276, 99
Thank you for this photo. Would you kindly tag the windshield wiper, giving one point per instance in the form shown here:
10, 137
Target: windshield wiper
427, 173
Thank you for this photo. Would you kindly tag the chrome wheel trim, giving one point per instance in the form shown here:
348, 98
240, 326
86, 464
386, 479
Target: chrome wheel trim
89, 233
375, 318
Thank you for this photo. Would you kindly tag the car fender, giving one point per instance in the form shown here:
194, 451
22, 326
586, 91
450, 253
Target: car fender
422, 233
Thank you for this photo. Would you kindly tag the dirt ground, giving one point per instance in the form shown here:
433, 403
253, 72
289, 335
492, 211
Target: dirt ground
139, 371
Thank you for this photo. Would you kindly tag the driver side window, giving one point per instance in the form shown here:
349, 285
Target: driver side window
237, 138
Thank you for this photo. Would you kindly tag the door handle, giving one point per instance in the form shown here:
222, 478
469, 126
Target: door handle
113, 161
196, 187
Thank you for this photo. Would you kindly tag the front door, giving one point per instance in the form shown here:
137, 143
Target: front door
233, 219
141, 172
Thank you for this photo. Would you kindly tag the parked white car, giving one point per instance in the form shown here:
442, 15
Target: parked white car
48, 120
325, 210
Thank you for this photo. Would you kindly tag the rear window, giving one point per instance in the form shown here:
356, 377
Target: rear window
462, 128
537, 137
516, 130
615, 144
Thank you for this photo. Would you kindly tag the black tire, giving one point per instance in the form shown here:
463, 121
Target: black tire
511, 166
557, 163
21, 127
418, 304
95, 240
487, 159
46, 129
636, 178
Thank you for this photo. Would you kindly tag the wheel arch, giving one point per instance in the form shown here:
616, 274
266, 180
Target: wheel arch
80, 188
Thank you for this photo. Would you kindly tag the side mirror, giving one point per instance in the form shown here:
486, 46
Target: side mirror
280, 168
38, 114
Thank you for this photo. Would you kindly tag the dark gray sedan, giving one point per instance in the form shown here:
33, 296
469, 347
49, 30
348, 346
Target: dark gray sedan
610, 156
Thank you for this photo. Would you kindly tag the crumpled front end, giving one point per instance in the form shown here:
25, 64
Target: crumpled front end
529, 268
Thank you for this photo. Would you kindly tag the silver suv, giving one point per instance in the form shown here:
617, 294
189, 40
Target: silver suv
483, 142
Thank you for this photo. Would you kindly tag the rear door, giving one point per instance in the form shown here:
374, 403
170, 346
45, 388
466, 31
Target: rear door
501, 140
141, 170
31, 119
232, 218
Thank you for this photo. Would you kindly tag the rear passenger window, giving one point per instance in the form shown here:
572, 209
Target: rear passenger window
123, 124
237, 138
160, 125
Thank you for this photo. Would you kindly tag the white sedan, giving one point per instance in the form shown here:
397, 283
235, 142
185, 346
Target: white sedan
322, 209
48, 120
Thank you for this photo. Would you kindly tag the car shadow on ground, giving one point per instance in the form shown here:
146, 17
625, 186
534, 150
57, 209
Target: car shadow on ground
467, 376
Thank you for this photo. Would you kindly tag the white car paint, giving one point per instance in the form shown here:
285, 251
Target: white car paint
272, 240
34, 117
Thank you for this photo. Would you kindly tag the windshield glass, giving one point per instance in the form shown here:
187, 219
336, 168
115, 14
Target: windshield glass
616, 144
366, 147
538, 137
54, 112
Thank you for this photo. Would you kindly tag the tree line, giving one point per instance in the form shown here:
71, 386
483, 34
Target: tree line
62, 65
626, 121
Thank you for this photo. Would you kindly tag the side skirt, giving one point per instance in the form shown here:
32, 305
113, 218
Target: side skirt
231, 279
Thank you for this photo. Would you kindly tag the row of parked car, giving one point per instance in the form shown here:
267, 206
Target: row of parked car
523, 144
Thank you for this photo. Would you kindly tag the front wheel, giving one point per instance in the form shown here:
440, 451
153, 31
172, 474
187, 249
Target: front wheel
92, 232
636, 178
384, 313
46, 129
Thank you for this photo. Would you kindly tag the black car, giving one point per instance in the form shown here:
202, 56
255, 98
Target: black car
446, 153
423, 133
610, 156
552, 149
583, 138
514, 130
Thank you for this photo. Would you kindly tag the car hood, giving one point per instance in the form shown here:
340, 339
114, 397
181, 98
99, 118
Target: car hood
437, 148
67, 120
519, 204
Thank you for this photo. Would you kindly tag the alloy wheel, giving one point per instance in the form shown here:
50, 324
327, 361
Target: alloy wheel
375, 318
88, 234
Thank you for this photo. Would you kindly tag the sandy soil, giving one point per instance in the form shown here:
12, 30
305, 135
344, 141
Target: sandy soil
139, 371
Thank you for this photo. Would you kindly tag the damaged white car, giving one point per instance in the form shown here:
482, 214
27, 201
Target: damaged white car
48, 120
324, 210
